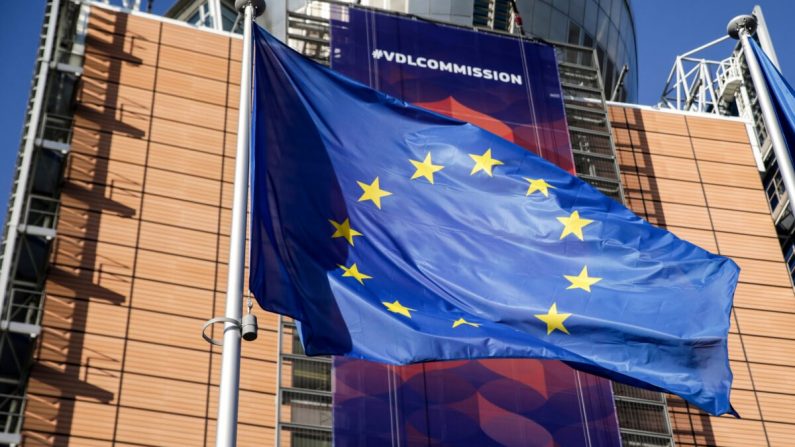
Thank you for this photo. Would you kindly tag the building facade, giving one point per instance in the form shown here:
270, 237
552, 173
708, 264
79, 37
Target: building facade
118, 265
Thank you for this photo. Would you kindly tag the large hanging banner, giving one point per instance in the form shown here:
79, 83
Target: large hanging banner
509, 87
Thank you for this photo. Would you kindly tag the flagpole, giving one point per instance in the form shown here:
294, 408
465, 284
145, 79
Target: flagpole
742, 27
226, 427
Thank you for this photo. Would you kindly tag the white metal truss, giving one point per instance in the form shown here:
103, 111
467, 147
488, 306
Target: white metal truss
698, 84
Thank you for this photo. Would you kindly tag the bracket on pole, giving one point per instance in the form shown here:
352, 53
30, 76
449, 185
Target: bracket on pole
248, 326
213, 321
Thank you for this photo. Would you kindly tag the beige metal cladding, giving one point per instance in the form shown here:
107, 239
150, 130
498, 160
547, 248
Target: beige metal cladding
139, 262
697, 177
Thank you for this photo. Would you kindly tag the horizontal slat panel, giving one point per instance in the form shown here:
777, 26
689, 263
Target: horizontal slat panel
159, 428
167, 329
93, 317
742, 222
93, 255
767, 323
105, 171
763, 272
740, 199
96, 285
124, 24
100, 198
773, 378
724, 152
187, 187
187, 136
185, 85
118, 96
172, 299
198, 42
178, 241
175, 269
76, 417
729, 175
665, 190
654, 121
138, 51
661, 144
662, 166
253, 408
119, 71
161, 394
99, 351
105, 227
185, 161
188, 111
72, 381
180, 213
120, 147
764, 296
188, 62
164, 360
717, 129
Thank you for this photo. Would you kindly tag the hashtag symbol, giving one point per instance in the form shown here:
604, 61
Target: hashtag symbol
377, 54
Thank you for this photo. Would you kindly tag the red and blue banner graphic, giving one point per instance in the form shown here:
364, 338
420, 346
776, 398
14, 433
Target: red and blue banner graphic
503, 84
510, 87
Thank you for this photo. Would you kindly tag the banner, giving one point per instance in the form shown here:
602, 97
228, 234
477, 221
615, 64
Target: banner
509, 87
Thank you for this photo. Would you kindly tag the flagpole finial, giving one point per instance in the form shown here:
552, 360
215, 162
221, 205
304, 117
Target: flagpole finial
745, 22
259, 6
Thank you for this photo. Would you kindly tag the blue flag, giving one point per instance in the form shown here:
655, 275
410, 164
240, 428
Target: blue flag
395, 234
782, 95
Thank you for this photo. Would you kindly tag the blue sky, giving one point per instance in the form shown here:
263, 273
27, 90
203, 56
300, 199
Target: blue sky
664, 29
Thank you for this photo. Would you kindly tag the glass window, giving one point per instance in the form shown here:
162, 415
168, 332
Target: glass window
574, 33
591, 15
560, 27
201, 17
562, 5
612, 45
541, 19
601, 33
228, 19
577, 10
615, 12
605, 4
587, 41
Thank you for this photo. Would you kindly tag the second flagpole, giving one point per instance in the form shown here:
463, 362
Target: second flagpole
226, 428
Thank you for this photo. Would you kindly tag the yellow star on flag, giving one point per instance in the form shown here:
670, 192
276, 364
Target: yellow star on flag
538, 184
573, 225
344, 230
484, 162
553, 319
398, 308
425, 168
461, 321
582, 281
373, 192
353, 272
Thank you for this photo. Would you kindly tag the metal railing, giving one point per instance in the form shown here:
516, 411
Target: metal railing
42, 211
56, 128
12, 407
24, 306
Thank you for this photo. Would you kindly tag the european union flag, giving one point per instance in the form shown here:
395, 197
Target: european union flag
398, 235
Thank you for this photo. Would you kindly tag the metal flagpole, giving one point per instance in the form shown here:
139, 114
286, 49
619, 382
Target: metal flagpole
741, 27
226, 427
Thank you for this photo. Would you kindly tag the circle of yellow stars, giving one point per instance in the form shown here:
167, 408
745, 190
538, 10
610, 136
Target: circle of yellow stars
573, 225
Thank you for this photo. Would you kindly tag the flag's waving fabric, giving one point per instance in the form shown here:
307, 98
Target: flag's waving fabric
781, 93
398, 235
